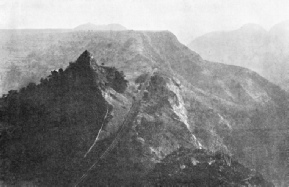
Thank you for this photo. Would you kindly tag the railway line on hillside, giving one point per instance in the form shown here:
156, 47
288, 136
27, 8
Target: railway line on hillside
125, 126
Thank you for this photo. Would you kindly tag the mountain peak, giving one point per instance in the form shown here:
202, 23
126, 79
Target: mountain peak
280, 27
85, 58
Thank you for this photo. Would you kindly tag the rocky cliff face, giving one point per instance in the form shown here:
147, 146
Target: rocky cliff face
102, 126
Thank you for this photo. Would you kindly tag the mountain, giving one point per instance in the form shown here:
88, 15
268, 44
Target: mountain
240, 47
265, 52
109, 27
136, 103
280, 27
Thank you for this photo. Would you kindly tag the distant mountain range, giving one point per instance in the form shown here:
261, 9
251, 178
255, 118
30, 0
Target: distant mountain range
91, 26
251, 46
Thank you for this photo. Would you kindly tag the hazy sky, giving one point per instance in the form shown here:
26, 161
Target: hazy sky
185, 18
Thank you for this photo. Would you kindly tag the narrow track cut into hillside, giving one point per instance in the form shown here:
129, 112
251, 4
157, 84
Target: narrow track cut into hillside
126, 125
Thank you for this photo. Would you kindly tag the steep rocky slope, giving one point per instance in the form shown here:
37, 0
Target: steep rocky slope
171, 99
50, 124
251, 46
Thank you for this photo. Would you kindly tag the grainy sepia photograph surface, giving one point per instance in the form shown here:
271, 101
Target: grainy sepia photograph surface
108, 93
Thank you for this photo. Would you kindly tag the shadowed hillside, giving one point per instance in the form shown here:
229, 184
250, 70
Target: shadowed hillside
50, 124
